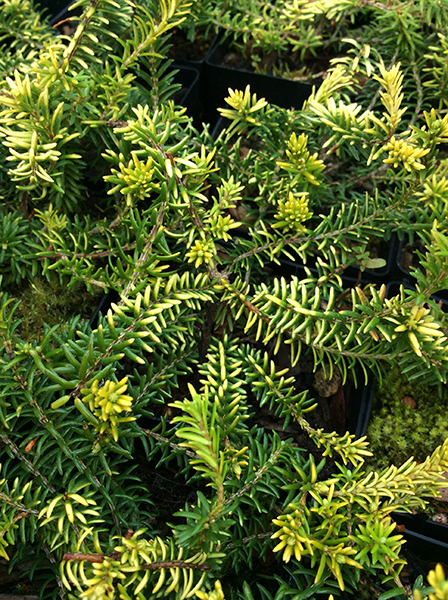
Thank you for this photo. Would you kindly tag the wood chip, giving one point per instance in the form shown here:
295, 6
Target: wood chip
410, 401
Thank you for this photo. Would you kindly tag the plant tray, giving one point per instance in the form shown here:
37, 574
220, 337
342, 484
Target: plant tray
219, 78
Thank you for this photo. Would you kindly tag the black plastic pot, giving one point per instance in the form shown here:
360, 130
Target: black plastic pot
189, 93
426, 538
219, 78
199, 65
362, 408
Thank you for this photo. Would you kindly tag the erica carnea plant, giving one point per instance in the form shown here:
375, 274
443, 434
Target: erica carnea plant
109, 187
299, 40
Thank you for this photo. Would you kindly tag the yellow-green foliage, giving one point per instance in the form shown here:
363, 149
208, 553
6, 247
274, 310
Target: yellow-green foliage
297, 39
119, 478
438, 583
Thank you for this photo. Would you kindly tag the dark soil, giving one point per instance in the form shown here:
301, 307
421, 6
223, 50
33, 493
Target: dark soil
378, 248
408, 257
189, 50
288, 66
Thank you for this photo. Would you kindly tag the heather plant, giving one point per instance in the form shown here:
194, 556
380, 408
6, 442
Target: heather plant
438, 585
298, 40
121, 193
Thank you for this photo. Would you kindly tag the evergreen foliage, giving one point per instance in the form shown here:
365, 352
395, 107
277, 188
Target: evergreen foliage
108, 186
299, 39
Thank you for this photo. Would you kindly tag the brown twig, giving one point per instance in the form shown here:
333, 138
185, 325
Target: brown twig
87, 17
163, 564
16, 451
164, 440
67, 20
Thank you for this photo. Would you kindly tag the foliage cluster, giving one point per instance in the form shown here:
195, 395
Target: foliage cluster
106, 185
298, 39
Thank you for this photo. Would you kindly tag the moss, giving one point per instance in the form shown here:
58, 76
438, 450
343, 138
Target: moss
52, 303
397, 431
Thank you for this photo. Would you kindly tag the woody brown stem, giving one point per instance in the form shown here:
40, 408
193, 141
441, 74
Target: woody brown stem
164, 564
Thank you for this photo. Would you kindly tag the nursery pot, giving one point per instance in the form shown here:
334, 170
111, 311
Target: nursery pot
185, 56
189, 93
220, 77
425, 537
